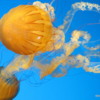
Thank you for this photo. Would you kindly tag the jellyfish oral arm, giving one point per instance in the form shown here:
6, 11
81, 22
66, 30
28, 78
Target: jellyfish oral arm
20, 63
47, 7
66, 58
83, 6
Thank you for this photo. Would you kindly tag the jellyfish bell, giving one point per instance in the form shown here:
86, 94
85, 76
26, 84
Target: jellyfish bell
26, 29
9, 86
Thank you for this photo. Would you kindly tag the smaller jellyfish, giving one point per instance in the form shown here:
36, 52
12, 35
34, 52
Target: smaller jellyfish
9, 86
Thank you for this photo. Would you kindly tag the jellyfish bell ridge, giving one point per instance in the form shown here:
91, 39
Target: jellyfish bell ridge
26, 29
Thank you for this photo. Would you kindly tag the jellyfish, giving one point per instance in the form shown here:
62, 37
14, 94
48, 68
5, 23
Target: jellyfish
9, 87
32, 23
28, 31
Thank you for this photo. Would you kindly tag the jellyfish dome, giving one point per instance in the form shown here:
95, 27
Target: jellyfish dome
25, 29
9, 86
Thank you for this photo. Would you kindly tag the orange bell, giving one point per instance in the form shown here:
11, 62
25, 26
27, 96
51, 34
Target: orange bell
8, 87
26, 29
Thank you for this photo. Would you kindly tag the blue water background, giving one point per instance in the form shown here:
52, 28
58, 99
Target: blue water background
77, 84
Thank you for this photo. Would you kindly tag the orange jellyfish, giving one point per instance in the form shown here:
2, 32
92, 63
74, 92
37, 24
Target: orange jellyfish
26, 29
9, 87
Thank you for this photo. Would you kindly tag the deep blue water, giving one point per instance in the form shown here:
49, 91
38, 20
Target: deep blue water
77, 84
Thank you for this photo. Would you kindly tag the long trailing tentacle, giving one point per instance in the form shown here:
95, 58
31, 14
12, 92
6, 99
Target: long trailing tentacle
83, 6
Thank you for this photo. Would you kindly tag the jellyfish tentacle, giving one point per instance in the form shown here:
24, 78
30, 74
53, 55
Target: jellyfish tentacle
47, 7
20, 62
57, 40
65, 58
83, 6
